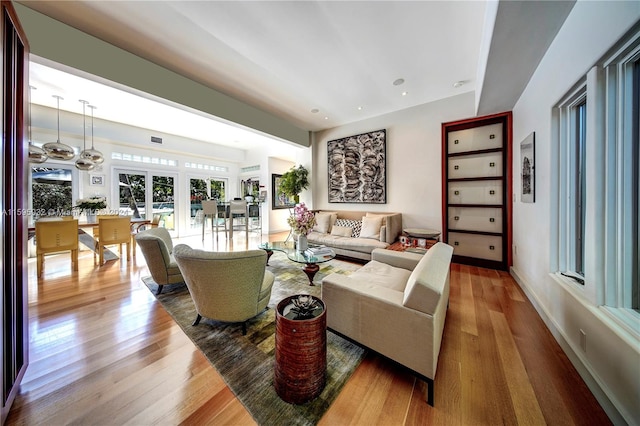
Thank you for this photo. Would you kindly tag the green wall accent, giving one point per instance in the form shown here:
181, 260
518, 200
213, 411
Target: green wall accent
61, 43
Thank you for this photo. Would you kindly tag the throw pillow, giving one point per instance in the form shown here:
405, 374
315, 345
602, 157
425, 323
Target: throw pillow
323, 221
371, 227
355, 225
341, 231
334, 216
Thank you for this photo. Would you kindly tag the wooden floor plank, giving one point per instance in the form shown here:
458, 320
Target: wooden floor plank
103, 351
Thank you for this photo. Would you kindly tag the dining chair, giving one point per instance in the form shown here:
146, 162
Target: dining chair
221, 217
112, 231
238, 210
54, 236
209, 209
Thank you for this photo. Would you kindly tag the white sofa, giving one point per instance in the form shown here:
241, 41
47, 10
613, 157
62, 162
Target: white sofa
395, 305
365, 232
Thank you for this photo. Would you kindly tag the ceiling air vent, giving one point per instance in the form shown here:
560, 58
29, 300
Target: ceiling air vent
156, 139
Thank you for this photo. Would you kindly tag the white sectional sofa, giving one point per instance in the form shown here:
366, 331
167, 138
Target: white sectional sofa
395, 305
355, 234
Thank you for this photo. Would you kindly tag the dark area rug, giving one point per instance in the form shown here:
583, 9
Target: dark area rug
246, 362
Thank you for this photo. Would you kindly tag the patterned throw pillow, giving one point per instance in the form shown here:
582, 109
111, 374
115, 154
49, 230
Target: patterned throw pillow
356, 225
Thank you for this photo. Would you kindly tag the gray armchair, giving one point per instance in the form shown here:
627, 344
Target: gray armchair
226, 286
157, 247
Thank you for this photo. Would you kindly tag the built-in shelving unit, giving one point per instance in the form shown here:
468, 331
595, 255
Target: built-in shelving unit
476, 168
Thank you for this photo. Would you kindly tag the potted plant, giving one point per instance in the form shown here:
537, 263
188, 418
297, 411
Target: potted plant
301, 222
294, 181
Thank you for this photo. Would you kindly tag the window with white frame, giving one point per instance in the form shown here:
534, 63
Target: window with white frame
597, 178
573, 186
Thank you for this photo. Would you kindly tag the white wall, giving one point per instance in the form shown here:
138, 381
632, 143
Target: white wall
414, 160
612, 359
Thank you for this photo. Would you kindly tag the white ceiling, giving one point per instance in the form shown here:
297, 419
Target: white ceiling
292, 57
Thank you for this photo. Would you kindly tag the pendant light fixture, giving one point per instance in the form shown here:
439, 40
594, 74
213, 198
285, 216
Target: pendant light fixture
57, 150
92, 154
83, 163
36, 154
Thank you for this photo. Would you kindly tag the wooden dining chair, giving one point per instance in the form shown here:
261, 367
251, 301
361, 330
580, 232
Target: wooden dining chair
55, 236
112, 231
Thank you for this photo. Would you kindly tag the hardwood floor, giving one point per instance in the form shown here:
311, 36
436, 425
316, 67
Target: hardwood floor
103, 351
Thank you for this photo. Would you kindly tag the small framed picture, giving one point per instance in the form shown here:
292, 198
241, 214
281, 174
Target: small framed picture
96, 180
422, 242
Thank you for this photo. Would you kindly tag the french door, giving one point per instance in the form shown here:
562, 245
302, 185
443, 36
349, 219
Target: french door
144, 194
203, 188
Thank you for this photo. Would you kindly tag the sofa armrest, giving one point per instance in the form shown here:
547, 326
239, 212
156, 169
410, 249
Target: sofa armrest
398, 259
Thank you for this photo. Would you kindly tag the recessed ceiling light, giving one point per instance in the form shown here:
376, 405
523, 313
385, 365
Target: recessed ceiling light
458, 84
326, 118
398, 82
315, 110
359, 108
405, 93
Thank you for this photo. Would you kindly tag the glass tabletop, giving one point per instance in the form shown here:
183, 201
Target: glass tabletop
299, 256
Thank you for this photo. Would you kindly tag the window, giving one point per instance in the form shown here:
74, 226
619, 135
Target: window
636, 183
580, 190
52, 190
572, 162
597, 185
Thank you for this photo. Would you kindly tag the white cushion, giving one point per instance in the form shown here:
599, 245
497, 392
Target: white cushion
383, 275
371, 227
341, 231
355, 225
323, 221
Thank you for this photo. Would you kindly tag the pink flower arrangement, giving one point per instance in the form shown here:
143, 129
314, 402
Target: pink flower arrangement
302, 220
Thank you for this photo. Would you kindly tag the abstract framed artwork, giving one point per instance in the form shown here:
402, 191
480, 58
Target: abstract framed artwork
279, 200
528, 168
357, 168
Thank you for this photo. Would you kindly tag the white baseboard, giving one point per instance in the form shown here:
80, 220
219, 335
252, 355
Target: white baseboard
575, 358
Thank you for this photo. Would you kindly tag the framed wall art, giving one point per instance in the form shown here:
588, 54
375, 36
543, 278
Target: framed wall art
279, 200
528, 169
96, 180
357, 168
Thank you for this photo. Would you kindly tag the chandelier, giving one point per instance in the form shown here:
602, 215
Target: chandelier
83, 163
92, 154
58, 150
36, 154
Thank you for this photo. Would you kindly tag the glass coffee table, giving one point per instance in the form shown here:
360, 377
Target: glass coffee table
310, 261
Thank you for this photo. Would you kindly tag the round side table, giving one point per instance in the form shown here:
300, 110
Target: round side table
301, 352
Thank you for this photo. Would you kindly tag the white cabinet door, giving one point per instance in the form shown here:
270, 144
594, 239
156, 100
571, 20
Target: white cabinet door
476, 192
477, 138
477, 165
475, 219
479, 246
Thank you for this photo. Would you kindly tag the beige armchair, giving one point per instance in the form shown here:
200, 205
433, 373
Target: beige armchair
157, 248
226, 286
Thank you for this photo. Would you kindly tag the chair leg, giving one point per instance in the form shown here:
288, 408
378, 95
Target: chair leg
40, 264
244, 328
159, 289
197, 321
74, 259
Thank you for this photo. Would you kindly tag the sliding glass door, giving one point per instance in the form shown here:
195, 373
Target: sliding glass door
144, 194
